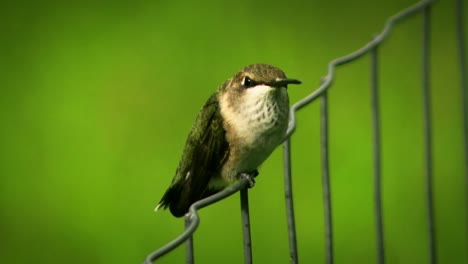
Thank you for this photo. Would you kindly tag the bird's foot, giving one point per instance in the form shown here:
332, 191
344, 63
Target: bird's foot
250, 177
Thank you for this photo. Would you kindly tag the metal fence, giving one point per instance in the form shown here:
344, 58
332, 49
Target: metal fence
192, 219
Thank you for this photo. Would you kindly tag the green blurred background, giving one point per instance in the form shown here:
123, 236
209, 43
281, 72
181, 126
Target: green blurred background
97, 98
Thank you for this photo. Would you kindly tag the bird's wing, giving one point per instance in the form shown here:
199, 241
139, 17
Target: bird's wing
204, 153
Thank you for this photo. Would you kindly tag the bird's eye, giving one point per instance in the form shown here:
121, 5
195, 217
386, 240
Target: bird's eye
247, 82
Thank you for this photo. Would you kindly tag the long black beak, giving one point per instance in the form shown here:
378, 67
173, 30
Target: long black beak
284, 82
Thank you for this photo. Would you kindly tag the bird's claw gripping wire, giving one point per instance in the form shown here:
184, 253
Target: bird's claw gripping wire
249, 177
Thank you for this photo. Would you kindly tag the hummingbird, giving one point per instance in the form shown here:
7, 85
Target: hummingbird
234, 133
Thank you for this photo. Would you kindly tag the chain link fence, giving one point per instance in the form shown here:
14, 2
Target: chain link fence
423, 9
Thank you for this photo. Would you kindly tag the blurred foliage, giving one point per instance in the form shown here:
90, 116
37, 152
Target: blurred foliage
97, 99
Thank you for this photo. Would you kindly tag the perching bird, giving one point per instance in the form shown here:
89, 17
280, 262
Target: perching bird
236, 130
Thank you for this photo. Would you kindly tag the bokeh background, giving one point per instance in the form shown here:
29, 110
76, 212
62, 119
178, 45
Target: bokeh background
97, 98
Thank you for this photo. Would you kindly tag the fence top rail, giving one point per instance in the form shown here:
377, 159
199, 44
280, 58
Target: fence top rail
194, 219
376, 41
193, 216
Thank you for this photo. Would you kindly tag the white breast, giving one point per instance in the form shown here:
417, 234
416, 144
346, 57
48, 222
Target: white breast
257, 125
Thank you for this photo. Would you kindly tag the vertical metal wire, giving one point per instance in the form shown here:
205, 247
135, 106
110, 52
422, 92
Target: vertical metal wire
288, 197
377, 159
326, 179
189, 259
428, 134
244, 199
464, 91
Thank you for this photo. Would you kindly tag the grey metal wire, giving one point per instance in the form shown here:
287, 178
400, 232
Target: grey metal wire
377, 160
321, 92
189, 258
326, 83
428, 134
464, 89
288, 198
326, 178
244, 198
195, 219
351, 57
